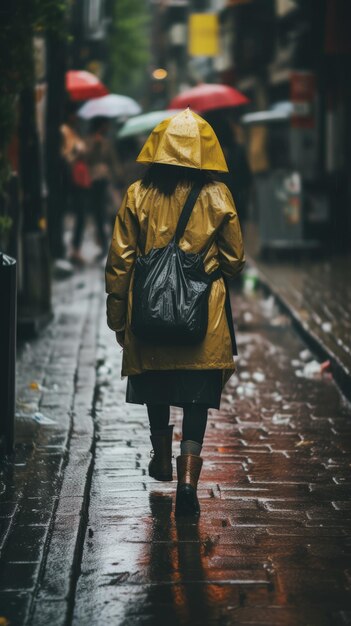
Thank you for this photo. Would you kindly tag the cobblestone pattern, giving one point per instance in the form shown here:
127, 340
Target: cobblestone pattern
39, 512
318, 296
272, 547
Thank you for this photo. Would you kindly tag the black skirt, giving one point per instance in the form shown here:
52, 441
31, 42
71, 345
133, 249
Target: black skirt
176, 388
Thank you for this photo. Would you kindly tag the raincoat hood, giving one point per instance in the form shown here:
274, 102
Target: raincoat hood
185, 139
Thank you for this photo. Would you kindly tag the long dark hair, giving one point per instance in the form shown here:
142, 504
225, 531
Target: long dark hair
165, 178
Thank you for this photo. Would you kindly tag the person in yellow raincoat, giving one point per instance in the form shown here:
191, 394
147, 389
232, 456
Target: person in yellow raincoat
181, 150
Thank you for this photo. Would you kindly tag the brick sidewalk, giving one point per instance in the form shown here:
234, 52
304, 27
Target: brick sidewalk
47, 476
272, 545
317, 294
89, 538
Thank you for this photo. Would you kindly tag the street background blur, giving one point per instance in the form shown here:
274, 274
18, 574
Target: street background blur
288, 148
85, 536
77, 79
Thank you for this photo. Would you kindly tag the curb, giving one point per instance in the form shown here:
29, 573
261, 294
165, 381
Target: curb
341, 373
54, 599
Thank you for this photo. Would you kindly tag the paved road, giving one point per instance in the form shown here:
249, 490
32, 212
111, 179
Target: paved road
272, 546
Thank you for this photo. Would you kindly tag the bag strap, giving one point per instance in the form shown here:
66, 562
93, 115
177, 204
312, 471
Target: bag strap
186, 211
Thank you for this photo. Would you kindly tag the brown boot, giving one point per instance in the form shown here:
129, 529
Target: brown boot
188, 469
160, 466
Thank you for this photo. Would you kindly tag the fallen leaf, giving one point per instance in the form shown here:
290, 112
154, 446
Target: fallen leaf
34, 385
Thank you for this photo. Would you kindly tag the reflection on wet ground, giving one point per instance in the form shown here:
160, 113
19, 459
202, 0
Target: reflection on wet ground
271, 546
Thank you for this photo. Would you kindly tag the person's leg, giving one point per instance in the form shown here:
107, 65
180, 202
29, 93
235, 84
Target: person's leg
158, 416
160, 466
79, 207
194, 427
98, 199
189, 463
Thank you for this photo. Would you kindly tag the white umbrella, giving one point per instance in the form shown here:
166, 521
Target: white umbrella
112, 105
144, 123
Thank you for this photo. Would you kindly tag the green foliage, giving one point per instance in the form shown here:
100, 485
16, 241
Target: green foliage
19, 25
5, 224
128, 46
22, 20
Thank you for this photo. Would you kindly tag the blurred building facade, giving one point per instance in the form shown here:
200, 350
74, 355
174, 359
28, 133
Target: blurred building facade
31, 191
278, 52
299, 52
89, 20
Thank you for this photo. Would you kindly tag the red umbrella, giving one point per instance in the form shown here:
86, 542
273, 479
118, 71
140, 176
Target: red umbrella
83, 85
207, 97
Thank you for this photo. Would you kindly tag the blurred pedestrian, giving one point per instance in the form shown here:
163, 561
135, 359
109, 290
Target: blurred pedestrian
128, 150
76, 177
239, 177
105, 170
181, 152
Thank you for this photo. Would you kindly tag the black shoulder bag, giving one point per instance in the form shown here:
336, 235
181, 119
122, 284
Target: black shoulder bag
171, 290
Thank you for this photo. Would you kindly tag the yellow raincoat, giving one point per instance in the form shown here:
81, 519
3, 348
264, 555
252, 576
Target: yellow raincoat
147, 219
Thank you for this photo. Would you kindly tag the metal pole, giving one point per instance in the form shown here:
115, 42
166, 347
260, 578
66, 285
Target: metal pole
8, 351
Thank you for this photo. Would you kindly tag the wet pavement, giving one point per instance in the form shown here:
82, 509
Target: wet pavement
88, 538
317, 294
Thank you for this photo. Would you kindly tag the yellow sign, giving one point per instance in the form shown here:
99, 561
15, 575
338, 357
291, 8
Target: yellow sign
203, 38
